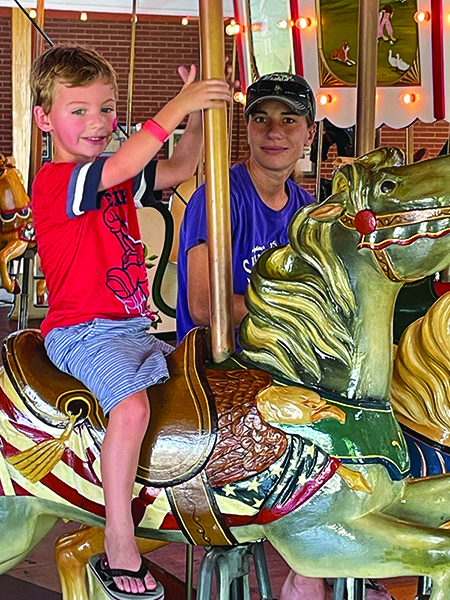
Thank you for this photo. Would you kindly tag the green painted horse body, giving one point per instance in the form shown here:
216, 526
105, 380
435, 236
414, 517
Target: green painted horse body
320, 316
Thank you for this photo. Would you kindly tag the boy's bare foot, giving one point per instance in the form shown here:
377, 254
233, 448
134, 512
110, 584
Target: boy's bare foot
122, 553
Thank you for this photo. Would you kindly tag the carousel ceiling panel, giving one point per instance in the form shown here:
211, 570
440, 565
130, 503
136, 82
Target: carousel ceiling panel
181, 8
404, 61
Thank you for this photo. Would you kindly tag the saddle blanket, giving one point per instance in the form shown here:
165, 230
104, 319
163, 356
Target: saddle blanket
286, 484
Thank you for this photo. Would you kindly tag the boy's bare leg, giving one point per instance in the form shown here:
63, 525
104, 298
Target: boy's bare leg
127, 425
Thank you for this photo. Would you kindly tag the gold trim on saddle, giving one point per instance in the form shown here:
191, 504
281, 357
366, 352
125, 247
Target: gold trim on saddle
183, 428
51, 395
197, 513
182, 431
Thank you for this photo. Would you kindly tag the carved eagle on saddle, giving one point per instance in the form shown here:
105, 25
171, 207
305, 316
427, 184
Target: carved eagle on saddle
206, 432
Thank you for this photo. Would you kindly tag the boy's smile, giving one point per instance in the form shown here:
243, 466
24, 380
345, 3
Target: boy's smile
81, 121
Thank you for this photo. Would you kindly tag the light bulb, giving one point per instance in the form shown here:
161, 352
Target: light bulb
240, 97
421, 16
408, 98
232, 28
324, 99
303, 22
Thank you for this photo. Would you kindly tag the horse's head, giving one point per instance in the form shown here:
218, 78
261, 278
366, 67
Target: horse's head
16, 228
14, 201
401, 213
312, 303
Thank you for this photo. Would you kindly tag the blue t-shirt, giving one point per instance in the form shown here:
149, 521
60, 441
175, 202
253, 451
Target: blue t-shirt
255, 227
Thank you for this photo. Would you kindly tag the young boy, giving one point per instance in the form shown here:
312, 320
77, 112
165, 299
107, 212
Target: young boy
88, 239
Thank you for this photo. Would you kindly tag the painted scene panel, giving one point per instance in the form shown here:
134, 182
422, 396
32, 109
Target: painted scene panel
398, 44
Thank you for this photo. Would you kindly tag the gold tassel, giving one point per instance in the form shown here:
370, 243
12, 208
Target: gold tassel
355, 480
36, 462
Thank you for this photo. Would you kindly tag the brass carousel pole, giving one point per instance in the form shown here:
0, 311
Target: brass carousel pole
367, 76
319, 159
410, 144
131, 68
231, 111
217, 187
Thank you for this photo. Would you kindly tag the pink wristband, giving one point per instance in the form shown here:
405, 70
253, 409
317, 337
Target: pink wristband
155, 130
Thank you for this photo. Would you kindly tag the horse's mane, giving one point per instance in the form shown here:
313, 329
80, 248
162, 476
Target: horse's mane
300, 303
421, 379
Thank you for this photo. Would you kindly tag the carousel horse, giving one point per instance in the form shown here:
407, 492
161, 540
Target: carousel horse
16, 229
294, 439
420, 390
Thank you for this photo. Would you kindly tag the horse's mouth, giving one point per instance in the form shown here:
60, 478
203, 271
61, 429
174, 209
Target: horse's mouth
378, 240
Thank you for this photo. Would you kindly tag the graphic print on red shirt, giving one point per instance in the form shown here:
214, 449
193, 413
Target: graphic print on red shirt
89, 245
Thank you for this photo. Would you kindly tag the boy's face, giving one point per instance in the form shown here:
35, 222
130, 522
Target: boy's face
80, 121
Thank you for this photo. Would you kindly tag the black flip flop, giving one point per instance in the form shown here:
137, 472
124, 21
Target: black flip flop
104, 575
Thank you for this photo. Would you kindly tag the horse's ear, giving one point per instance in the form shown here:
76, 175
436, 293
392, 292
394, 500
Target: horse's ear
382, 158
327, 212
341, 179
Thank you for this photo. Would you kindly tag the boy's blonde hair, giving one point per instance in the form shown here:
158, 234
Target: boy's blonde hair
75, 65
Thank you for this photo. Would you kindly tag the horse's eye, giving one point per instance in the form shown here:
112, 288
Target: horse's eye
24, 212
6, 218
387, 186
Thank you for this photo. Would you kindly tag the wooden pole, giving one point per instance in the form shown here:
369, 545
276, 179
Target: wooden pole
131, 68
367, 76
217, 187
20, 88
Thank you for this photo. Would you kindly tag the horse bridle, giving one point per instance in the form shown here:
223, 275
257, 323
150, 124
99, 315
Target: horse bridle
366, 222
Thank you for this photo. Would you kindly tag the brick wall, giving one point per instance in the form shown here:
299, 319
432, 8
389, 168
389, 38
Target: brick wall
162, 44
5, 84
431, 136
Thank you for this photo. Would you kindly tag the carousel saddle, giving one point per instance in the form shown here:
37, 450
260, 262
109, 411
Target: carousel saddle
183, 427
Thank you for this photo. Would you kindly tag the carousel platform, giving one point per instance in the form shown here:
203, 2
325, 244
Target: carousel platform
36, 578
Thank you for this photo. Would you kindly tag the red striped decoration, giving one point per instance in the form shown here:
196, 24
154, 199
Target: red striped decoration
57, 486
296, 38
437, 55
240, 19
